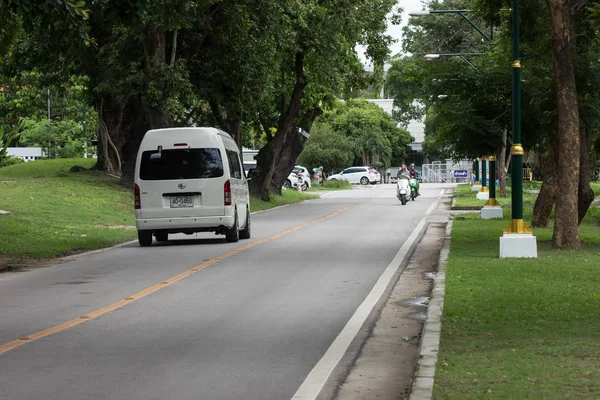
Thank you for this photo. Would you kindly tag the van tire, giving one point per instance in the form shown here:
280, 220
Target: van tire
364, 180
233, 235
145, 238
161, 236
287, 184
245, 233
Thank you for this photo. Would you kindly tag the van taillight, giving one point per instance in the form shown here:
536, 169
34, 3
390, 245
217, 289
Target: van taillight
136, 195
227, 191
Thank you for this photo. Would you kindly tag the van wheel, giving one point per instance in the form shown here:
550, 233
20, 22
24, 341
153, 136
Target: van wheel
245, 233
364, 180
145, 238
161, 236
233, 235
304, 186
287, 184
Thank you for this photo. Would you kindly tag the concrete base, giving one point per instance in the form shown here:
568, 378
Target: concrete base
491, 212
476, 188
483, 196
519, 245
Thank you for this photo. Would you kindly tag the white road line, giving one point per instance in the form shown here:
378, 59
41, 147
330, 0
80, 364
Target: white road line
316, 379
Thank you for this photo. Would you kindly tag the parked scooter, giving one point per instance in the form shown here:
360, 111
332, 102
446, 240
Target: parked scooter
403, 189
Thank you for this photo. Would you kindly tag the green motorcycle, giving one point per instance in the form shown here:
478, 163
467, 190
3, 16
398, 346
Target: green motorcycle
414, 188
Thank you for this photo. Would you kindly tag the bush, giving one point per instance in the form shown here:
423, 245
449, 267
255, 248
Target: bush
10, 160
335, 184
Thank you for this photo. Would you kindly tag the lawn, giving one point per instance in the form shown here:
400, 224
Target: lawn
55, 212
465, 197
520, 328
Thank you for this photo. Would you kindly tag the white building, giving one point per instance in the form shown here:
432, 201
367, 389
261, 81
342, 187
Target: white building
26, 153
415, 127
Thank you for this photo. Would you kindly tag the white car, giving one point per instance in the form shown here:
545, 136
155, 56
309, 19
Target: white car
293, 177
377, 175
362, 175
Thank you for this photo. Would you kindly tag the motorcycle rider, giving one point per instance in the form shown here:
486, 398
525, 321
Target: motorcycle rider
415, 174
403, 171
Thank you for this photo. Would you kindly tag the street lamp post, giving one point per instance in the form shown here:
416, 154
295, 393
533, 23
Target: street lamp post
492, 209
517, 241
462, 13
477, 184
483, 193
463, 56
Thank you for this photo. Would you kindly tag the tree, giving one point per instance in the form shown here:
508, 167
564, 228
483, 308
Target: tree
155, 64
326, 148
374, 135
318, 60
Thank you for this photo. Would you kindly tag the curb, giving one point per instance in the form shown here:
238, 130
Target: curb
422, 386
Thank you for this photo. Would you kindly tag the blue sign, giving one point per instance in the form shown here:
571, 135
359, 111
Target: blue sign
461, 173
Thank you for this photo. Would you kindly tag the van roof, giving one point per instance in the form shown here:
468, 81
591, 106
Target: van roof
187, 130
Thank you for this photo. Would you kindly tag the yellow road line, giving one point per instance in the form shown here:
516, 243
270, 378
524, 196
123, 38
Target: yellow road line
154, 288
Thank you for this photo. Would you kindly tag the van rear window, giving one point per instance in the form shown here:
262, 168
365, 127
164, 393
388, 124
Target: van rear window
181, 164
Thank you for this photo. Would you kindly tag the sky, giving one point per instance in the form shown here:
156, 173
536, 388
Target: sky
395, 31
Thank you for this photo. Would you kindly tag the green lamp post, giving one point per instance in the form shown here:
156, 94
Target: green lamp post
517, 225
492, 185
476, 169
484, 187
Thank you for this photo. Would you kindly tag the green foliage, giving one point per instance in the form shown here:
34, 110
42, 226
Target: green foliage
7, 161
373, 135
469, 109
4, 145
327, 148
58, 139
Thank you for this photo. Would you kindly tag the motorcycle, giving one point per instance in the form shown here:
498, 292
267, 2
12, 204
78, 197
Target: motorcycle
414, 188
403, 189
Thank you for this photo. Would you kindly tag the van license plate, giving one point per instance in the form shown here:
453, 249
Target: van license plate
182, 201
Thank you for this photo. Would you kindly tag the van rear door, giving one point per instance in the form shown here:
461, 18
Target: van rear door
178, 183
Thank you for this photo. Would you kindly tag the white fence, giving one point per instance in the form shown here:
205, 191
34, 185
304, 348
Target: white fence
447, 171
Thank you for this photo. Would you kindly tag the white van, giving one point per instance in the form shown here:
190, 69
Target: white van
190, 180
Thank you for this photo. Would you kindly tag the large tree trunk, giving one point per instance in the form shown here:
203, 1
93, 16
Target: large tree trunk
586, 194
123, 124
542, 210
585, 86
276, 159
566, 229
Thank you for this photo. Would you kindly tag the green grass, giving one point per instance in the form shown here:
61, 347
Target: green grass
520, 328
288, 197
332, 185
465, 197
55, 212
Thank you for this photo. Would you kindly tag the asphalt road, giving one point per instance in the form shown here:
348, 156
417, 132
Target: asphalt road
199, 318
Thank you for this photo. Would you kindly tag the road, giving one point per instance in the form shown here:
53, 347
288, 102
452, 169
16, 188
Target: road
200, 318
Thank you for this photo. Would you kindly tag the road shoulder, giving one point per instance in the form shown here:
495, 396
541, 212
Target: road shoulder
386, 363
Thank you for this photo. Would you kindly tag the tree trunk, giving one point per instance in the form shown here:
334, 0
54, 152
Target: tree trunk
566, 229
586, 194
275, 160
235, 130
542, 210
502, 165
